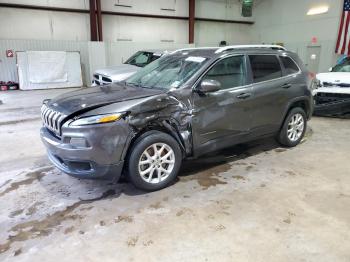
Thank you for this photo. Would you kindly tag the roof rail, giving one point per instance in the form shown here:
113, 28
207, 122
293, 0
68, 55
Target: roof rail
193, 48
232, 47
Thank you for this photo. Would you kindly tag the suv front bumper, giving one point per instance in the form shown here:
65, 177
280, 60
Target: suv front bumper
94, 151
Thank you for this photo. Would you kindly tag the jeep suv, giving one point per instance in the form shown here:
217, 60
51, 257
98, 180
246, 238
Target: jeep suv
185, 104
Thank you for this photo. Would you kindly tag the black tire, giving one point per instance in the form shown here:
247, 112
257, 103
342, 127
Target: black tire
141, 144
282, 137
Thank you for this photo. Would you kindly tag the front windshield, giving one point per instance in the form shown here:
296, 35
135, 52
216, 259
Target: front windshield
140, 59
342, 67
168, 72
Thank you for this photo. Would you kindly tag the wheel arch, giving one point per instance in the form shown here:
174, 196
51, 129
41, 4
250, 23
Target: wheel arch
164, 126
302, 102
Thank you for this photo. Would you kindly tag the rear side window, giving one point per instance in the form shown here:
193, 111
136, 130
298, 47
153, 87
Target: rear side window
289, 65
265, 67
230, 72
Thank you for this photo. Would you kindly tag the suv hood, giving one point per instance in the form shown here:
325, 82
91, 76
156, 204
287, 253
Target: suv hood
93, 97
118, 73
334, 78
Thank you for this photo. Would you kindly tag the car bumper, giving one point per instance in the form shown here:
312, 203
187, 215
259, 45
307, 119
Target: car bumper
332, 109
329, 104
95, 151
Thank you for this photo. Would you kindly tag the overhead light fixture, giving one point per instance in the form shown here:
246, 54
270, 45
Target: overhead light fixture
318, 10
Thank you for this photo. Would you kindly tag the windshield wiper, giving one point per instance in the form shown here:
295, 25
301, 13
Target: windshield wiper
138, 85
132, 84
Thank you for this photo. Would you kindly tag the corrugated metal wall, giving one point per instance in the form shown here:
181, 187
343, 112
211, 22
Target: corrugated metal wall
94, 55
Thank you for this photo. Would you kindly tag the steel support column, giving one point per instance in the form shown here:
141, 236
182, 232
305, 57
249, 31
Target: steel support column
99, 20
191, 18
93, 21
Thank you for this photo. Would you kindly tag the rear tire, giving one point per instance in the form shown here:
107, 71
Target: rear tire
154, 161
294, 127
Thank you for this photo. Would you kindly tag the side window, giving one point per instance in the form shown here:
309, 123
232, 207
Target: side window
289, 65
265, 67
230, 72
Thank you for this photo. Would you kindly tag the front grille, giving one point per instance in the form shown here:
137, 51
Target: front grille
52, 119
101, 80
323, 98
329, 84
106, 79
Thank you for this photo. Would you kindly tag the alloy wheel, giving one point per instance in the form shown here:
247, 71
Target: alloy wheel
156, 163
296, 127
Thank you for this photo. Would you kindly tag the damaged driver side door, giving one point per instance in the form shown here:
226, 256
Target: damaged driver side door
221, 116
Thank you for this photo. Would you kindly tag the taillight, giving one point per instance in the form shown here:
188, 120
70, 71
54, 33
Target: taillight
313, 82
312, 76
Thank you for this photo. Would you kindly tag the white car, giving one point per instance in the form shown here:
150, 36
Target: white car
332, 93
118, 73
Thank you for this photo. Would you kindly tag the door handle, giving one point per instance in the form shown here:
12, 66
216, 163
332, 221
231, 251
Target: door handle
286, 86
243, 95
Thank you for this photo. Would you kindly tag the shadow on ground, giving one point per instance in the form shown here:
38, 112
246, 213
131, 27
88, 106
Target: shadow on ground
205, 168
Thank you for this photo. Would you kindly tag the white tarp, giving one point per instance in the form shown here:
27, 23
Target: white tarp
47, 67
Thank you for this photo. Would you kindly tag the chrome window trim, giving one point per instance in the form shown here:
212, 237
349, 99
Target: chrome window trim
267, 81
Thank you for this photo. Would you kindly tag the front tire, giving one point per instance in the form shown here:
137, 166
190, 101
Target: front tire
293, 129
154, 161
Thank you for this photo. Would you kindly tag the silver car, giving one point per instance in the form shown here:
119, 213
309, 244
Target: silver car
131, 66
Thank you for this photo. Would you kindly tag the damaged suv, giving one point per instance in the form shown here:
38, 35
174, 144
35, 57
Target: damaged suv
185, 104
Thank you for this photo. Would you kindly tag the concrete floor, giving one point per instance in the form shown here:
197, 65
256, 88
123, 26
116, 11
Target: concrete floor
253, 202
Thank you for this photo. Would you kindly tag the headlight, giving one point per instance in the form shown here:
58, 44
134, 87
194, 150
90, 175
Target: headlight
315, 84
99, 119
318, 83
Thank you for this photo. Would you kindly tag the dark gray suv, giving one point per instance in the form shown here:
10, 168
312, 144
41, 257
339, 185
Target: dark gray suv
185, 104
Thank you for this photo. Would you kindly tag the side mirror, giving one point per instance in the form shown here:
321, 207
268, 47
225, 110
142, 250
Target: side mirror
209, 86
330, 69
